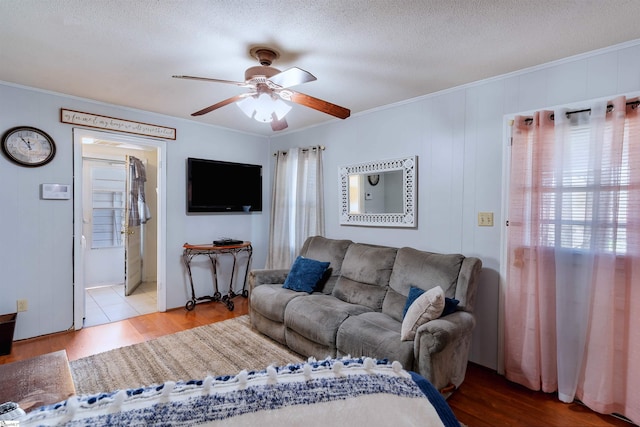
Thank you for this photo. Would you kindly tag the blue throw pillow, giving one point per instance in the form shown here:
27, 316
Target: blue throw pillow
305, 274
450, 304
414, 293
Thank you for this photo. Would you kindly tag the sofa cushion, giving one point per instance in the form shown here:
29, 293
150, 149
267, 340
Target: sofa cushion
376, 335
317, 317
272, 329
329, 250
365, 275
304, 346
271, 300
426, 307
393, 304
305, 274
421, 269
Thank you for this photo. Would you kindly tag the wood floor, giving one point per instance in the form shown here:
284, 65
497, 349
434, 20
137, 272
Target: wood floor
484, 399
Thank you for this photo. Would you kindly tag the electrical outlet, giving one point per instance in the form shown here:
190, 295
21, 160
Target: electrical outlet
23, 305
485, 219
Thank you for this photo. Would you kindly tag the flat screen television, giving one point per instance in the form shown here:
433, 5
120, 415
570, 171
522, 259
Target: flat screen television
217, 186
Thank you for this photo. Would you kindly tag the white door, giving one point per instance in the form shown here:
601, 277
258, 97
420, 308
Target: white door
102, 221
133, 238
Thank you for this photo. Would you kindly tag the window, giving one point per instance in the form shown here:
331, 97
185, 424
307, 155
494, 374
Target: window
583, 191
108, 203
355, 198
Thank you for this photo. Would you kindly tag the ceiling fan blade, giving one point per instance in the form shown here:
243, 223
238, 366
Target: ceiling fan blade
277, 125
292, 77
316, 104
220, 104
206, 79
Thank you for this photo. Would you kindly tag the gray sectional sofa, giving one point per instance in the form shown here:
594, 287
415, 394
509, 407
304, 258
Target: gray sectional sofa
357, 309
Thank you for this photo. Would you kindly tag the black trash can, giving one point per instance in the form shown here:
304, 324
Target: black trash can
7, 326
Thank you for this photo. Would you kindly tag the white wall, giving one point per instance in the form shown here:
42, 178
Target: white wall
36, 246
459, 137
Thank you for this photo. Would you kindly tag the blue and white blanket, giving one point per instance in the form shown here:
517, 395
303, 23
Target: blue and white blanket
348, 391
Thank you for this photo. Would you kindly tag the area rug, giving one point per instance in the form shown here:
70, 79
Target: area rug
221, 348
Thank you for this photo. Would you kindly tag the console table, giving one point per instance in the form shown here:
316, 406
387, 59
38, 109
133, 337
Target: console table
38, 381
214, 252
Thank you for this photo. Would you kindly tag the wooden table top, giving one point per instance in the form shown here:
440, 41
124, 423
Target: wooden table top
213, 247
40, 380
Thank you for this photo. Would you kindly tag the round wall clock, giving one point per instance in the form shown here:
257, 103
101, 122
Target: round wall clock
28, 146
373, 179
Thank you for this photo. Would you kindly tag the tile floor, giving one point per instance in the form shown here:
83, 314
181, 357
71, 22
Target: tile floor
106, 304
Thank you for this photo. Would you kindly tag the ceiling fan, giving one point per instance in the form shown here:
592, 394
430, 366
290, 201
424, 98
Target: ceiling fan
268, 86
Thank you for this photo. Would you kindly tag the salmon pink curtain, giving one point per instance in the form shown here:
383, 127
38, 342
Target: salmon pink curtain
572, 303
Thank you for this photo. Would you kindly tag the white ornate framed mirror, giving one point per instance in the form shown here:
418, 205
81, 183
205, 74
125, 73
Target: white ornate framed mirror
379, 194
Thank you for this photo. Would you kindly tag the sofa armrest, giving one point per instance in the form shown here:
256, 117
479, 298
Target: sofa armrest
266, 277
436, 334
441, 349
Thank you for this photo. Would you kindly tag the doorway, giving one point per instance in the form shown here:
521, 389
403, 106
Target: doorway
118, 264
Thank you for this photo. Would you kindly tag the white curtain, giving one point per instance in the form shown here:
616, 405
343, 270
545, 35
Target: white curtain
297, 206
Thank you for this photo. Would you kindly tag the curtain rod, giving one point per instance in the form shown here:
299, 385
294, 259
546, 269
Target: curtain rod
322, 147
634, 104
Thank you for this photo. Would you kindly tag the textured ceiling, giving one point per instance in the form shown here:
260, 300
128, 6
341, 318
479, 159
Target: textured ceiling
364, 53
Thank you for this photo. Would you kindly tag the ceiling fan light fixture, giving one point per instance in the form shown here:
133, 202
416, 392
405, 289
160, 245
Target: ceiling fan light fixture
270, 99
247, 105
281, 108
263, 107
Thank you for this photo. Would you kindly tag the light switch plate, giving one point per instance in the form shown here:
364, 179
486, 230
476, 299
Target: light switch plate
485, 219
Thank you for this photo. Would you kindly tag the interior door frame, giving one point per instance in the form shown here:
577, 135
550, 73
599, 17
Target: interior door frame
504, 235
78, 253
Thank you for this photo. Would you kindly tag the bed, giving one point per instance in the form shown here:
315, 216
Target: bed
347, 391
